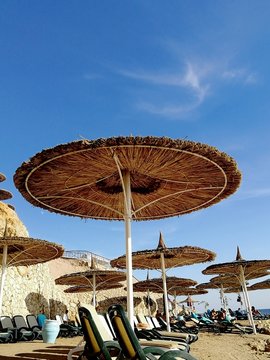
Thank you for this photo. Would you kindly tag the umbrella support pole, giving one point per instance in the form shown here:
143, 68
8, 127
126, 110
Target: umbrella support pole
127, 217
165, 291
245, 292
3, 275
94, 290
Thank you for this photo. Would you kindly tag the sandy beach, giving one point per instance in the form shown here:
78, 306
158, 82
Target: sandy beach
209, 346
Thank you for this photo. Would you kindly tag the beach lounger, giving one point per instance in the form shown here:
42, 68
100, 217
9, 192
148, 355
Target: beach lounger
67, 330
164, 334
33, 325
176, 326
129, 343
22, 330
95, 347
192, 333
6, 335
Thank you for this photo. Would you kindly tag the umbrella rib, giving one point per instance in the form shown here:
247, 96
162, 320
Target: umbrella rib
30, 256
69, 197
182, 192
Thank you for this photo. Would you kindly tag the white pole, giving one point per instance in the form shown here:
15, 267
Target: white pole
127, 217
165, 291
3, 275
148, 302
94, 289
244, 286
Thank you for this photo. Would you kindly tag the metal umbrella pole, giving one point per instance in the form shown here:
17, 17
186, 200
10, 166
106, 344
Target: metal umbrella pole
245, 292
3, 275
165, 291
127, 217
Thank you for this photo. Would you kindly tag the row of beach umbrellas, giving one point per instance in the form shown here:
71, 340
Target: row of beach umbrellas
132, 179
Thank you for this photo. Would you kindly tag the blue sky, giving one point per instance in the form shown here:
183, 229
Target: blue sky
182, 69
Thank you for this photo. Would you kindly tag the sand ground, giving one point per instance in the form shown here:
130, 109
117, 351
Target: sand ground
209, 346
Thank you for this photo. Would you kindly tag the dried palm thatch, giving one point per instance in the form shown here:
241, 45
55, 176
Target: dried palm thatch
174, 257
188, 291
208, 285
168, 177
82, 289
233, 289
230, 280
251, 268
2, 177
5, 195
11, 207
260, 285
85, 278
29, 251
156, 285
121, 300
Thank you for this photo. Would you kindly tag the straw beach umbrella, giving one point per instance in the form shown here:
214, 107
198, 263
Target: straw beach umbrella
128, 178
2, 177
241, 269
24, 251
163, 258
156, 285
97, 279
5, 195
82, 289
262, 285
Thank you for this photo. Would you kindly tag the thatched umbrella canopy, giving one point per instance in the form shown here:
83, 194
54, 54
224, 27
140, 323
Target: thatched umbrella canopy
208, 285
121, 300
163, 258
82, 289
173, 257
156, 285
11, 207
17, 251
124, 178
221, 283
5, 195
189, 291
240, 268
2, 177
97, 279
260, 285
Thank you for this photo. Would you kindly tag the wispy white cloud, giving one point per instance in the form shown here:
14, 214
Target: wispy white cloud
242, 75
167, 110
92, 76
256, 193
190, 80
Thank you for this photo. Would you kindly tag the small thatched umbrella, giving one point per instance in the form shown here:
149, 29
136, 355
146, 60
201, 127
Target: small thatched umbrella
189, 291
82, 289
163, 258
5, 195
262, 285
125, 178
240, 268
97, 279
17, 251
2, 177
156, 285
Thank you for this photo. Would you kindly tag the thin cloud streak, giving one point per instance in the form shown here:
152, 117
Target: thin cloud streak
241, 75
190, 81
256, 193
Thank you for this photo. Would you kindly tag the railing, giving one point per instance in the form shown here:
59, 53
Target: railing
87, 256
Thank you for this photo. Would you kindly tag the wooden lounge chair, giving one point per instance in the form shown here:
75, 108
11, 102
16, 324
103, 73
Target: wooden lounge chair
130, 345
